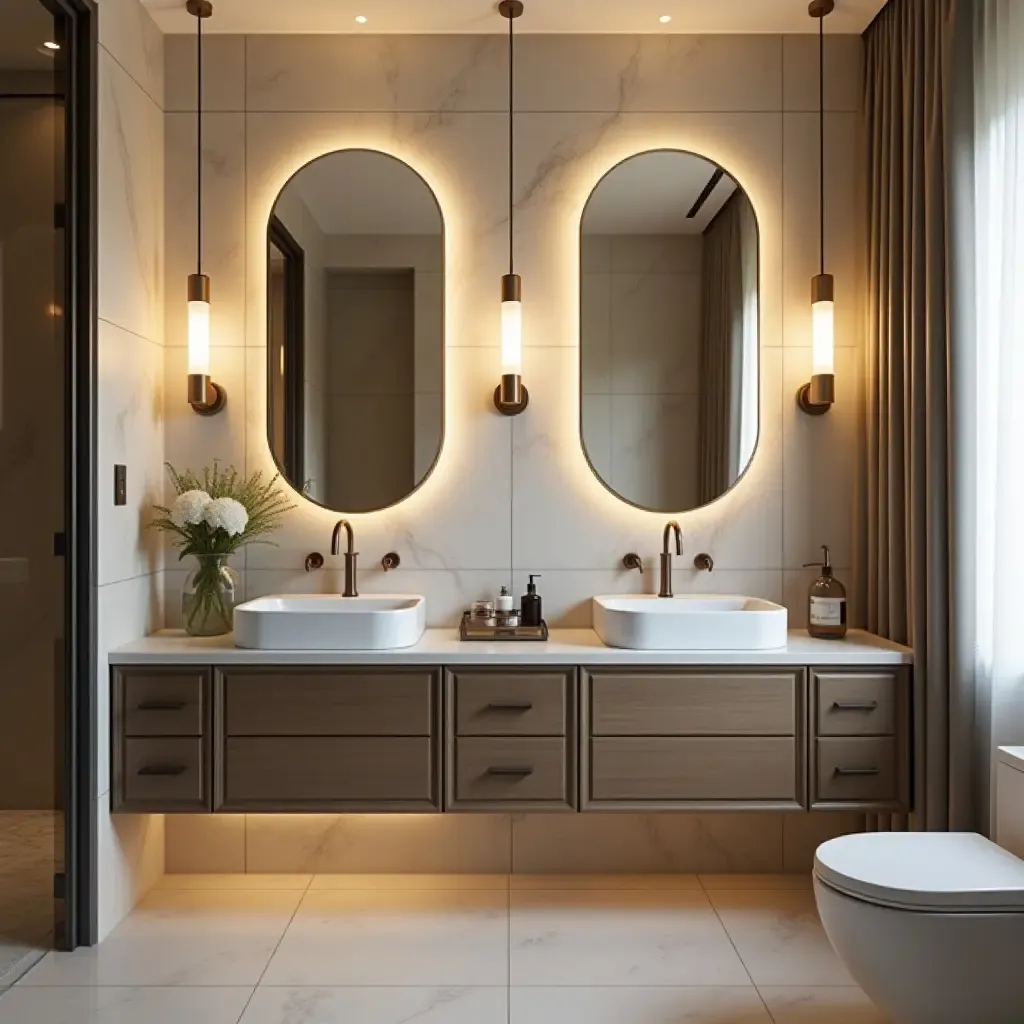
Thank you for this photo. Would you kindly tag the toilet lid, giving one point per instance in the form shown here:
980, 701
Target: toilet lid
954, 872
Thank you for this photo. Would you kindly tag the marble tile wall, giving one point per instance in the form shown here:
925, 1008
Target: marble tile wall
130, 421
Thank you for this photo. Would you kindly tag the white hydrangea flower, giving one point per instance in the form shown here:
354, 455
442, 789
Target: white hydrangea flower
228, 515
190, 508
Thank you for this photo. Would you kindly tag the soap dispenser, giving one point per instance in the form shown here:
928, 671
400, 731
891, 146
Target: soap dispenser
826, 618
531, 609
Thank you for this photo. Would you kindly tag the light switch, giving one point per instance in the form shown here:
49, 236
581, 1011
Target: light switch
120, 485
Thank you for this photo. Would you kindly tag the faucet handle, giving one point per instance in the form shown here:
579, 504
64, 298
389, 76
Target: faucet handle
392, 560
703, 562
633, 561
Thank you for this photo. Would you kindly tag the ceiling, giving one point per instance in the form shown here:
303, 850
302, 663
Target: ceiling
554, 16
26, 26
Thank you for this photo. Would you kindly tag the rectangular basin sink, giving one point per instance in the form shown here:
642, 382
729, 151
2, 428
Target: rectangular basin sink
327, 622
698, 622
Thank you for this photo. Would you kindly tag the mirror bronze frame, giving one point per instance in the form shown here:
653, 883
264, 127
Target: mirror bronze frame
299, 487
760, 359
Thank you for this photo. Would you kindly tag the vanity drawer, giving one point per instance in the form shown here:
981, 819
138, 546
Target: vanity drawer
328, 773
512, 770
858, 770
154, 703
698, 769
162, 774
698, 703
363, 702
510, 703
856, 703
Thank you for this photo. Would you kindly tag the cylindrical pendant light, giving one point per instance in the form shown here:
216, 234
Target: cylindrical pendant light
511, 397
817, 397
205, 397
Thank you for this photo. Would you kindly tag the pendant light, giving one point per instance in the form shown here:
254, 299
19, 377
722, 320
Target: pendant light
205, 397
511, 397
817, 397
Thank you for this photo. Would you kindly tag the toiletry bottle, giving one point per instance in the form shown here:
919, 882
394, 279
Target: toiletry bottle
504, 602
531, 603
826, 617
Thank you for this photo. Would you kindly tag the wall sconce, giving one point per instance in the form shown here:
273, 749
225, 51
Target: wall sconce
510, 396
205, 397
818, 396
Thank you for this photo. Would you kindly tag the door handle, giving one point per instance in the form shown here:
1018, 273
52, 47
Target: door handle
163, 770
857, 771
161, 705
519, 772
855, 705
509, 705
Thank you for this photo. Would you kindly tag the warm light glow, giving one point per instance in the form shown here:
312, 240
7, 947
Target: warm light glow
511, 337
823, 339
361, 18
199, 337
50, 45
665, 19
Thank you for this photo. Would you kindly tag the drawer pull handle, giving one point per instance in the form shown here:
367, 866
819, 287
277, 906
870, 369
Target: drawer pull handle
162, 705
163, 769
511, 772
509, 705
857, 771
855, 705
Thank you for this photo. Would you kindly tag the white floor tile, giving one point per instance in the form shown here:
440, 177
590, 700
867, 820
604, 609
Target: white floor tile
381, 937
604, 937
123, 1005
637, 1006
802, 881
779, 937
404, 882
378, 1006
241, 882
821, 1006
605, 882
184, 937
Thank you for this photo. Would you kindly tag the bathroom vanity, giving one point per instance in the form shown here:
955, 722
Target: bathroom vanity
570, 725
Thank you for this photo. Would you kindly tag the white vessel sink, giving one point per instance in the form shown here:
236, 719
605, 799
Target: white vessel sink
327, 622
690, 622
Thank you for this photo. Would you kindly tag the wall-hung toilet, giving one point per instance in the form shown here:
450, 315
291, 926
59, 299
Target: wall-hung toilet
930, 924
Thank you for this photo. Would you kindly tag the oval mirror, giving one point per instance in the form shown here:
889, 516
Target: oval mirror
355, 330
669, 325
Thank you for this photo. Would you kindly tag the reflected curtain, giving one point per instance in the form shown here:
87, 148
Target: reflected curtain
728, 346
918, 519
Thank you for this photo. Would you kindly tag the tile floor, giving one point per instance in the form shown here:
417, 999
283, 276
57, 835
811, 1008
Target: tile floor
359, 949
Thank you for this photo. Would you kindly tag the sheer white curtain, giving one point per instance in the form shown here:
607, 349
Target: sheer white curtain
999, 297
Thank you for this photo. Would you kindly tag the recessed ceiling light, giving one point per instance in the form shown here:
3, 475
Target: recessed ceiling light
665, 19
361, 18
51, 45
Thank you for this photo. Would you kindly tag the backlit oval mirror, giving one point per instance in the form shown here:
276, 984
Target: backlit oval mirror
355, 330
669, 326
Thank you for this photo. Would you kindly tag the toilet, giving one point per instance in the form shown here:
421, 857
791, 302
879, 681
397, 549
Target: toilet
930, 924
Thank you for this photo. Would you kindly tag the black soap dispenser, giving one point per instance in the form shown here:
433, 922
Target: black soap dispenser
531, 611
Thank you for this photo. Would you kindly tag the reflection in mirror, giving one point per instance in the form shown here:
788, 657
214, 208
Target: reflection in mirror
355, 330
669, 322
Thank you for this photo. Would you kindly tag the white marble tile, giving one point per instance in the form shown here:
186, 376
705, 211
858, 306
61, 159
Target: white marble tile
129, 34
131, 204
779, 937
376, 844
604, 937
224, 199
649, 72
409, 938
396, 881
180, 938
759, 881
377, 1006
235, 882
845, 220
766, 583
121, 1005
223, 72
443, 73
205, 843
844, 71
803, 833
546, 844
603, 1005
740, 842
820, 1006
130, 379
598, 882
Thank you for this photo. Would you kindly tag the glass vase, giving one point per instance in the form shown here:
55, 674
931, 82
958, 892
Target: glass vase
208, 597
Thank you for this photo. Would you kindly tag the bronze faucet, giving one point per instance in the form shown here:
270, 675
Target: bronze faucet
666, 557
350, 556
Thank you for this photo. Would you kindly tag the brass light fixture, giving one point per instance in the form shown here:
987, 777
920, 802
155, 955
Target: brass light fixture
205, 397
817, 397
511, 396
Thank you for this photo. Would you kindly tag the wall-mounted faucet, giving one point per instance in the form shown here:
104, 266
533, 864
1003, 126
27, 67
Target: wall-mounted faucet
665, 590
350, 555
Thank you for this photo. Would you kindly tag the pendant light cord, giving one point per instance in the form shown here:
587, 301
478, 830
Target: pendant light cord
511, 146
821, 137
199, 146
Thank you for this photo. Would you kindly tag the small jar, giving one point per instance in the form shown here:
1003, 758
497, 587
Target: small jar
482, 610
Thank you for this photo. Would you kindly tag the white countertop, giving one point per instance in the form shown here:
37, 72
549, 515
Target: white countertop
1012, 756
566, 647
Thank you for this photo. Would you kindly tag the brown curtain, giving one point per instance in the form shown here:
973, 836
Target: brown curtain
916, 525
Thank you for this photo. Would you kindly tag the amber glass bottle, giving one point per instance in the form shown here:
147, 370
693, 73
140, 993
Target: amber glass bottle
826, 614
